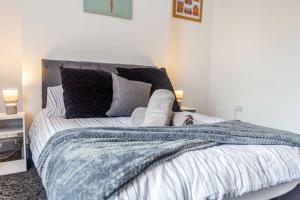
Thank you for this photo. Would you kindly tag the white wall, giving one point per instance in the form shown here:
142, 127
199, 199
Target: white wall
256, 62
58, 29
189, 57
10, 47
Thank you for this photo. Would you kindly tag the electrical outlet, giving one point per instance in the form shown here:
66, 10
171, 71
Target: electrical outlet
238, 109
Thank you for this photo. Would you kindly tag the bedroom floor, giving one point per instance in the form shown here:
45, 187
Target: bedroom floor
28, 186
22, 186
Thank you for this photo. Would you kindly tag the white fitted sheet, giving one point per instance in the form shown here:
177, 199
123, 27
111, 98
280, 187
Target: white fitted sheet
214, 173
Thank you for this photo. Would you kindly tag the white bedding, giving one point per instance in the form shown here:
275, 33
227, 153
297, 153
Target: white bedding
214, 173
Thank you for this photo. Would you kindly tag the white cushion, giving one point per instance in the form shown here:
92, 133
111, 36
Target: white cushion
178, 118
138, 116
159, 110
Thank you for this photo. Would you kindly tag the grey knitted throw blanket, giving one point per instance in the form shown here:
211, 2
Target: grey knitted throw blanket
95, 163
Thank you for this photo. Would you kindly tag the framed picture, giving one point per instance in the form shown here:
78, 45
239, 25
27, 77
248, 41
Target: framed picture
115, 8
188, 9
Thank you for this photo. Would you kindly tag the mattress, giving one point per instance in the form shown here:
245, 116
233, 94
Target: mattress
224, 171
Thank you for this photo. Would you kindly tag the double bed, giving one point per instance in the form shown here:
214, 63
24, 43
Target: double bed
225, 171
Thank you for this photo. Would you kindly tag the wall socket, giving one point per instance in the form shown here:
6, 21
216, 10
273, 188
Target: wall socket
238, 109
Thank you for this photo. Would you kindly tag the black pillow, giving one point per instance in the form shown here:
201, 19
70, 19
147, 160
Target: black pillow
87, 93
157, 77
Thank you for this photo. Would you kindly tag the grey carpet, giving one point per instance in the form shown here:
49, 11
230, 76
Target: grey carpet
22, 186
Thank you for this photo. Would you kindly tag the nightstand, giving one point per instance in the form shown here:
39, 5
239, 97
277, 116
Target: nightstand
12, 138
188, 109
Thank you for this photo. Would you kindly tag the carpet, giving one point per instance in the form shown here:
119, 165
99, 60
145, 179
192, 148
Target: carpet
22, 186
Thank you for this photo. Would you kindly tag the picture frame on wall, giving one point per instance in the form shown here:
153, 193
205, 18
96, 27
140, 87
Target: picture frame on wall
188, 9
114, 8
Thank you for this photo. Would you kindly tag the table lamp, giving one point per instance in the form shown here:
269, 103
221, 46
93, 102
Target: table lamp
10, 98
179, 96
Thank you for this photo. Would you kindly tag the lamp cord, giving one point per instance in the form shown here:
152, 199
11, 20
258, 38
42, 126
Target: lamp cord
12, 153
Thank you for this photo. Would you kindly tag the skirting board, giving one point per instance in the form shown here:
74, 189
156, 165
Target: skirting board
12, 167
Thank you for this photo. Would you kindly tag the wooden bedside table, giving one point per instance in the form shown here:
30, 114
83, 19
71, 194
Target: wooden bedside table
188, 109
12, 130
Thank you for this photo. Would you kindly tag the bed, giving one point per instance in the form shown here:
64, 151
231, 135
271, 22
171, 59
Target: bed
219, 172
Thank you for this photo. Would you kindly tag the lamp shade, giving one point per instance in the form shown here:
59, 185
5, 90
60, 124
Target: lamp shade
10, 95
179, 94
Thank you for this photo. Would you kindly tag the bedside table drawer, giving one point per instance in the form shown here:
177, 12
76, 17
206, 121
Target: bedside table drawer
13, 155
11, 126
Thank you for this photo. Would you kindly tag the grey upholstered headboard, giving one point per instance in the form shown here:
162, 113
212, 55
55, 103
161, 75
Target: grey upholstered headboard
51, 71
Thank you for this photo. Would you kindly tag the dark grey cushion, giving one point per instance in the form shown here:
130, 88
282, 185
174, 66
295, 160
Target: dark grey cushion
87, 93
127, 96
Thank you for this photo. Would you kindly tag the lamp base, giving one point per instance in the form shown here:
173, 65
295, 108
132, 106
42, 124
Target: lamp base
11, 109
179, 102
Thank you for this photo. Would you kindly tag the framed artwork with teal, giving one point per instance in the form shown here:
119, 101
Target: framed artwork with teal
115, 8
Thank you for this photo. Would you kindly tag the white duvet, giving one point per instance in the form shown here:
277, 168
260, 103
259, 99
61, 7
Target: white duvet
214, 173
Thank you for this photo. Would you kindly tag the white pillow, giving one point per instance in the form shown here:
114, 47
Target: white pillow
55, 102
138, 116
159, 110
178, 118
